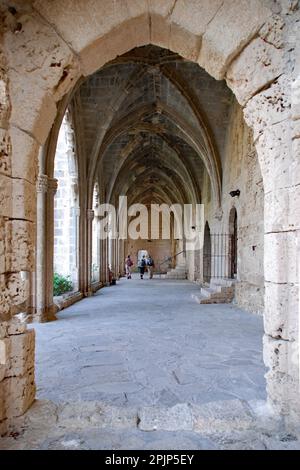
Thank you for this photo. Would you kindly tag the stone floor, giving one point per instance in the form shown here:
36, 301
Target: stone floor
141, 366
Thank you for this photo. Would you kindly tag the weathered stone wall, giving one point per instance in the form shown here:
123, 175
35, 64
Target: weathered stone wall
241, 171
17, 388
48, 45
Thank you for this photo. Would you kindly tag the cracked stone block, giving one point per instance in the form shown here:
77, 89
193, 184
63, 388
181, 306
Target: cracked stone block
5, 196
20, 252
16, 326
19, 393
4, 299
24, 155
281, 310
5, 152
21, 349
18, 289
176, 418
272, 31
257, 66
296, 99
281, 257
279, 165
244, 23
2, 245
276, 353
24, 204
194, 19
4, 96
221, 417
83, 414
102, 17
269, 107
40, 56
283, 209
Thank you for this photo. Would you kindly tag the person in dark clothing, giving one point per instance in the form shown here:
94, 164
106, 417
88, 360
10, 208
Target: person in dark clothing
142, 266
150, 265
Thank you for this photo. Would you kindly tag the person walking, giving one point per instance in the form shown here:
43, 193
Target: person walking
128, 264
142, 266
150, 264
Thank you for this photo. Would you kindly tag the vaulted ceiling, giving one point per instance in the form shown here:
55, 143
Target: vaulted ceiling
151, 125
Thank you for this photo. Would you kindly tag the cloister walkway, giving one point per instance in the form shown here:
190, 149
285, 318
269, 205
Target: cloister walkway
140, 365
145, 342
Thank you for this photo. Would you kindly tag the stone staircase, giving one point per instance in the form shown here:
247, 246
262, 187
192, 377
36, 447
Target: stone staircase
177, 273
219, 291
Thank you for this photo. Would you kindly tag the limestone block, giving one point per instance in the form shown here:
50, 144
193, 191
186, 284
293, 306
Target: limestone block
24, 200
279, 388
257, 66
279, 165
282, 209
269, 106
33, 108
16, 326
184, 43
24, 155
281, 256
221, 416
272, 31
295, 126
5, 152
21, 353
233, 26
4, 97
281, 317
195, 16
93, 19
176, 418
4, 357
5, 196
296, 98
2, 245
160, 31
129, 35
18, 288
4, 299
20, 252
3, 330
161, 7
81, 414
275, 353
39, 52
19, 394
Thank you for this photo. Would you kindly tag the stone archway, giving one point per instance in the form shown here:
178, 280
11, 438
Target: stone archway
250, 48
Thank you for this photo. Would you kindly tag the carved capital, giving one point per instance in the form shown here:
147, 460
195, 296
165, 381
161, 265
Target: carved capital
42, 184
52, 185
90, 214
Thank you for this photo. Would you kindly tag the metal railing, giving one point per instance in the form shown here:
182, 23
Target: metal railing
170, 258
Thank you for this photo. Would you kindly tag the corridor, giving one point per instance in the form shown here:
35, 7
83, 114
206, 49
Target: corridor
140, 365
148, 343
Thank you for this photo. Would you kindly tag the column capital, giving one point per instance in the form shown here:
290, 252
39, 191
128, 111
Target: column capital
52, 185
42, 183
90, 214
45, 184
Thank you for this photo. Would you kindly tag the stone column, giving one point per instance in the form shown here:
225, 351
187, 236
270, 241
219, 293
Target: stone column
89, 218
44, 308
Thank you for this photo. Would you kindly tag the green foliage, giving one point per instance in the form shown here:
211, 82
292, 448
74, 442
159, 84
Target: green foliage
61, 284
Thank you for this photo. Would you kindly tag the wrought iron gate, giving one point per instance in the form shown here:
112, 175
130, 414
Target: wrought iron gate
219, 256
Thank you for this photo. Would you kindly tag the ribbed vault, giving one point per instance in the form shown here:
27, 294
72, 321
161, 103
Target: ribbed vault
152, 135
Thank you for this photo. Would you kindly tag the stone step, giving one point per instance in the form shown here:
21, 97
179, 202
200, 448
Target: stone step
222, 282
